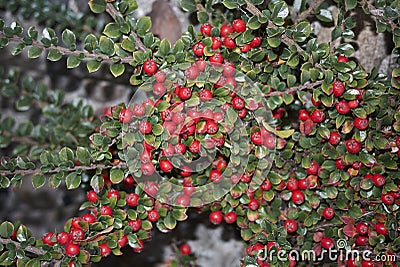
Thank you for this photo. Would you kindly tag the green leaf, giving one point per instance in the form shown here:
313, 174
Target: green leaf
143, 25
202, 16
128, 45
285, 133
116, 175
112, 30
170, 222
73, 180
6, 229
93, 65
131, 6
73, 62
117, 69
91, 42
69, 39
38, 180
165, 47
83, 155
98, 6
34, 52
106, 46
23, 103
33, 263
350, 4
188, 5
54, 55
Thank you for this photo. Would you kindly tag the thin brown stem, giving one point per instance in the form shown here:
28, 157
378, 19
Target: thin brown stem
295, 89
31, 249
310, 11
110, 9
378, 14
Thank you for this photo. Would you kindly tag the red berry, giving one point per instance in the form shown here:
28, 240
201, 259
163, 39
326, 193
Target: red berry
166, 165
245, 48
237, 103
242, 113
367, 263
63, 238
76, 234
132, 199
205, 29
256, 42
106, 210
195, 146
290, 225
292, 184
253, 204
381, 229
216, 58
47, 239
215, 176
216, 217
92, 196
72, 250
327, 243
340, 164
185, 171
113, 193
378, 179
145, 157
216, 43
145, 127
398, 141
201, 65
318, 115
338, 88
342, 107
135, 224
183, 200
212, 127
185, 249
313, 169
238, 25
229, 43
185, 93
198, 49
388, 198
353, 103
303, 184
125, 115
230, 217
179, 148
353, 146
304, 115
362, 228
147, 169
139, 247
351, 263
150, 67
123, 241
104, 250
159, 89
361, 240
266, 185
75, 222
297, 197
225, 30
342, 58
138, 110
334, 138
328, 213
89, 218
256, 138
361, 124
153, 215
205, 95
160, 76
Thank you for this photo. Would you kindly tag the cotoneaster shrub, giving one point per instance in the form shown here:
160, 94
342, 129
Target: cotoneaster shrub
250, 120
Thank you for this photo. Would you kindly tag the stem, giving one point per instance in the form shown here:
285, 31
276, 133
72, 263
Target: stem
285, 39
31, 249
56, 170
295, 89
378, 13
311, 10
110, 9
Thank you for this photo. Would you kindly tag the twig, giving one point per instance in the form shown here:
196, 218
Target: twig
295, 89
56, 170
378, 13
309, 11
110, 9
285, 39
31, 249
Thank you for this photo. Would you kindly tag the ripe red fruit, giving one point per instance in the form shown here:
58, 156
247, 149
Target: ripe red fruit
139, 247
303, 184
242, 113
237, 103
145, 157
327, 243
292, 184
75, 222
334, 138
205, 95
338, 88
266, 185
342, 107
216, 58
125, 115
201, 65
113, 193
185, 93
361, 124
150, 67
104, 250
212, 127
290, 225
388, 198
185, 249
47, 239
145, 127
238, 25
159, 89
198, 49
328, 213
216, 217
362, 228
106, 210
166, 165
89, 218
135, 224
342, 58
367, 263
353, 103
132, 199
138, 110
256, 42
147, 169
63, 238
225, 30
245, 48
76, 234
361, 240
297, 197
185, 171
353, 146
92, 196
313, 169
205, 29
378, 179
160, 76
381, 229
195, 146
398, 141
253, 204
72, 250
215, 176
153, 215
183, 200
229, 43
256, 138
123, 241
351, 263
340, 164
318, 115
179, 148
216, 43
230, 217
304, 115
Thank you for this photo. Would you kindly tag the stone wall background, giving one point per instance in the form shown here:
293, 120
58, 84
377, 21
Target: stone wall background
45, 210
